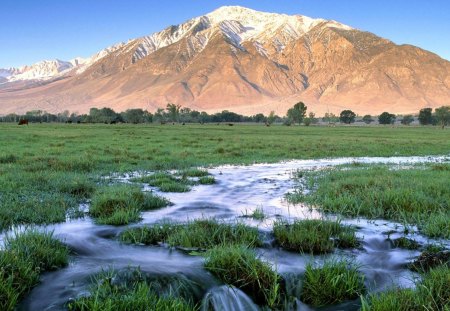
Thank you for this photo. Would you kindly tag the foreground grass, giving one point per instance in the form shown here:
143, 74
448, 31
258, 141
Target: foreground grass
431, 293
239, 266
334, 282
202, 234
420, 195
314, 236
47, 169
24, 257
122, 204
131, 294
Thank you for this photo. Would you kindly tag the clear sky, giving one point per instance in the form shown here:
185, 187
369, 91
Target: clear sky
34, 30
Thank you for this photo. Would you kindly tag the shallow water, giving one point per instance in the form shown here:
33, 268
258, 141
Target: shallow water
239, 190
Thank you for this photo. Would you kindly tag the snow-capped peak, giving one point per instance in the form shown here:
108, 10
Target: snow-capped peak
238, 24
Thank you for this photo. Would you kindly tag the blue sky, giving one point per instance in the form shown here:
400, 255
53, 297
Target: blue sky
34, 30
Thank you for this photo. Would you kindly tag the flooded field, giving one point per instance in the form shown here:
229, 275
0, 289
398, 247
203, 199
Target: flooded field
239, 191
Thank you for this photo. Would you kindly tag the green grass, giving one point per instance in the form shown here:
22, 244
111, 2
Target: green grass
314, 236
240, 266
122, 204
37, 160
406, 243
194, 172
166, 182
207, 180
334, 282
202, 234
419, 195
135, 294
432, 256
24, 257
431, 293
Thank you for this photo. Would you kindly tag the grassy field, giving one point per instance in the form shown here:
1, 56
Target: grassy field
46, 170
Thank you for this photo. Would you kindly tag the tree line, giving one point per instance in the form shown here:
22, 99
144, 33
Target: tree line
177, 114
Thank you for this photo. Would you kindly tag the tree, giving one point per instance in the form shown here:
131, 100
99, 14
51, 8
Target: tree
347, 116
271, 118
425, 116
160, 116
386, 118
173, 112
297, 113
407, 120
367, 119
135, 116
330, 118
443, 115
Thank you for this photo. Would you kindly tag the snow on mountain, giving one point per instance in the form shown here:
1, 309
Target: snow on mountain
237, 24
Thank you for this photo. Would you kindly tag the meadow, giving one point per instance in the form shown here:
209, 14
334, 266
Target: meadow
47, 170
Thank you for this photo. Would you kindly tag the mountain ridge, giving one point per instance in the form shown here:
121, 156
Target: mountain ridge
243, 60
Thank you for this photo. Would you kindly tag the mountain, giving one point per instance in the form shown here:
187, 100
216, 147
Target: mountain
241, 60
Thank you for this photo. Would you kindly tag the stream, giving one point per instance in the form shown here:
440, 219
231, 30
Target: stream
238, 191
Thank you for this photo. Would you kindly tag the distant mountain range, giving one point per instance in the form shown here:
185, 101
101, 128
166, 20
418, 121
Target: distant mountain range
241, 60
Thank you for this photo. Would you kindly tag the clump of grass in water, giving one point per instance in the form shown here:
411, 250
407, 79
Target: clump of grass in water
24, 257
258, 214
194, 172
406, 243
166, 182
203, 234
207, 180
431, 293
334, 282
314, 236
431, 257
240, 267
136, 294
122, 204
380, 192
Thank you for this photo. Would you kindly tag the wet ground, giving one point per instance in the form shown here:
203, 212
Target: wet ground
238, 192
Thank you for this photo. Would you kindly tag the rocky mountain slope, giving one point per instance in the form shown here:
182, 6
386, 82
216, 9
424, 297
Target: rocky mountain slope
241, 60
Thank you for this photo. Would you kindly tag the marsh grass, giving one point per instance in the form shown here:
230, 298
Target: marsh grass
32, 158
194, 172
240, 267
134, 294
333, 282
166, 182
406, 243
382, 192
24, 257
431, 293
202, 234
207, 180
314, 236
258, 214
122, 204
431, 257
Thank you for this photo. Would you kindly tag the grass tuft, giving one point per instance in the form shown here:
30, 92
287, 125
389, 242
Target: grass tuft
122, 204
202, 234
406, 243
431, 293
135, 294
240, 267
334, 282
24, 257
207, 180
314, 236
